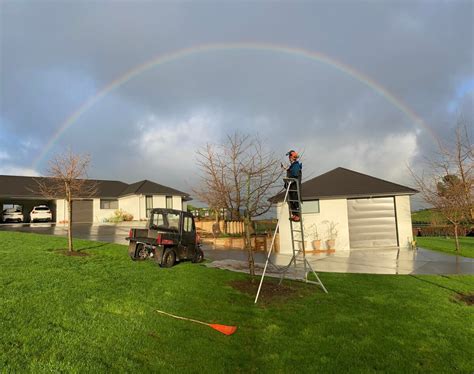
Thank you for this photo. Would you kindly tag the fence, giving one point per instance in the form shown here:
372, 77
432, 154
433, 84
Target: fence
227, 227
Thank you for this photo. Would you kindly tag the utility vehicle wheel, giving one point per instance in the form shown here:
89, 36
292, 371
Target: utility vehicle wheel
169, 258
198, 257
139, 253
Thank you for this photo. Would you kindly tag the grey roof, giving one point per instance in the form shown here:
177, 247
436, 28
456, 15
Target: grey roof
27, 187
147, 187
345, 183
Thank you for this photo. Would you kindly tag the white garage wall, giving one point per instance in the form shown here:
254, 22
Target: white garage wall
61, 211
330, 211
403, 212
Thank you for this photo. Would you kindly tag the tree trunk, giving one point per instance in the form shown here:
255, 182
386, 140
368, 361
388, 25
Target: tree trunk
69, 226
248, 246
456, 238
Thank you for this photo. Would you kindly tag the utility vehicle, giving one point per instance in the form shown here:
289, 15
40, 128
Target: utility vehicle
170, 236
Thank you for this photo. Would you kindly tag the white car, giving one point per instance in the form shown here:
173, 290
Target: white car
13, 215
41, 213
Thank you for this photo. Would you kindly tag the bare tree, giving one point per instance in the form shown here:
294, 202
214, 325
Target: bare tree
239, 175
262, 170
447, 181
67, 179
222, 180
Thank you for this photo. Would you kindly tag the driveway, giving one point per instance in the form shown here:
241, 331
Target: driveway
377, 261
103, 233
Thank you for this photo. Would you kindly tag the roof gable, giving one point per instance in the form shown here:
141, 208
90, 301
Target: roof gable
341, 182
146, 187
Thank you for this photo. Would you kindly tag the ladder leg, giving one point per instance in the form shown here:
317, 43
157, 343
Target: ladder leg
318, 280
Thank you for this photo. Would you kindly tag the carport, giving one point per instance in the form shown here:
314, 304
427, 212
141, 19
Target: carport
23, 192
27, 205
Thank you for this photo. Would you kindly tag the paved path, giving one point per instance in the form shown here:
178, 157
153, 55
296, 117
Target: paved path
379, 261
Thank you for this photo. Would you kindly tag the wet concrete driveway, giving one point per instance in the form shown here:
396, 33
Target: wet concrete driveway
104, 233
376, 261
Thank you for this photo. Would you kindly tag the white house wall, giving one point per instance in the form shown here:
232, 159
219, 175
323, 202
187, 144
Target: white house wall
100, 215
131, 204
329, 211
177, 203
159, 201
403, 212
134, 204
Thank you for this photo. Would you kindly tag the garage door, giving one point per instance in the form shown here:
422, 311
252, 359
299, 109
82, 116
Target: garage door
372, 222
82, 211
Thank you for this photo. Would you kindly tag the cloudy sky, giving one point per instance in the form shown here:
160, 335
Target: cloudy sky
363, 85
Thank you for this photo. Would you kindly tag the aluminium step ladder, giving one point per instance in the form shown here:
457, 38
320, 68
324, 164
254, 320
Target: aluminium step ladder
297, 239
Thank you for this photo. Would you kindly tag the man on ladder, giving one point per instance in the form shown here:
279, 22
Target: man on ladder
294, 171
293, 198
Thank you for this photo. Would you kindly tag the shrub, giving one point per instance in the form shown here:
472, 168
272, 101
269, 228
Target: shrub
120, 216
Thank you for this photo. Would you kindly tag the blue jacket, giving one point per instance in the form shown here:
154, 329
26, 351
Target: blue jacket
294, 171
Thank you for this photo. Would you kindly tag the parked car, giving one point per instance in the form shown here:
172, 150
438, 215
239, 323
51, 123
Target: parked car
41, 213
170, 236
12, 215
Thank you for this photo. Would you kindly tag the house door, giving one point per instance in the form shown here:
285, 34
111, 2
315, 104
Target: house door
372, 222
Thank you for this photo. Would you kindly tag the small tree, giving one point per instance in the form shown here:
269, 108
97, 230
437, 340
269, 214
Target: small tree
67, 173
238, 175
447, 182
261, 170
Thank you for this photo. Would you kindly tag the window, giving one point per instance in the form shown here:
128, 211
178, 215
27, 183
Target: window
148, 205
109, 204
309, 207
188, 224
158, 221
169, 202
173, 221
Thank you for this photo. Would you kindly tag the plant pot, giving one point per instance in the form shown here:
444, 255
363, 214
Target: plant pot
316, 244
331, 244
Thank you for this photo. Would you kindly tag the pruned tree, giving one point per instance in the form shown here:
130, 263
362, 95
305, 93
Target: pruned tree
447, 181
67, 179
262, 170
212, 189
238, 175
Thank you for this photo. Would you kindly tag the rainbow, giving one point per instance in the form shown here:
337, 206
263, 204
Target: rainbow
206, 48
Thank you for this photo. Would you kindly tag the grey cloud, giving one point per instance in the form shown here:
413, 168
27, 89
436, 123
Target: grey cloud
56, 54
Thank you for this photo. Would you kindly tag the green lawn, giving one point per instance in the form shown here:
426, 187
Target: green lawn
96, 314
444, 245
427, 216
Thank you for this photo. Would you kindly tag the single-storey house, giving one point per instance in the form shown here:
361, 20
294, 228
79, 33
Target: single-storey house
136, 199
363, 212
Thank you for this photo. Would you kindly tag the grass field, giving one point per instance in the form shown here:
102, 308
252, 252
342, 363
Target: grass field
444, 245
426, 216
96, 314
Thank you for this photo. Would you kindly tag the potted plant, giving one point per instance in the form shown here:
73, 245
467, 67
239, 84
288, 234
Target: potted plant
332, 235
312, 233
